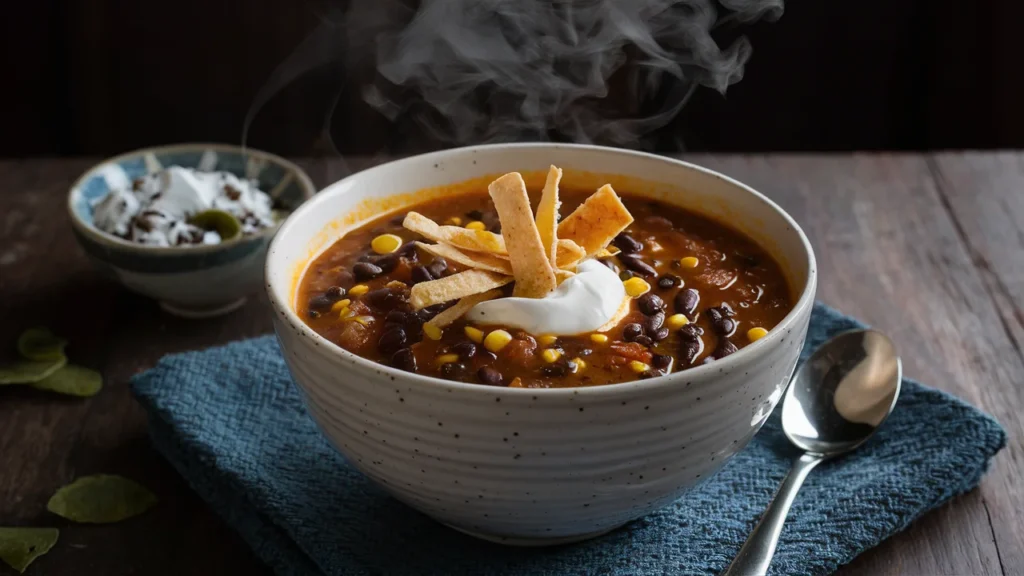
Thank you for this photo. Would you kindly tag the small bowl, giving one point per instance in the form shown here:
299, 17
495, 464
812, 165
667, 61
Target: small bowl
189, 281
537, 466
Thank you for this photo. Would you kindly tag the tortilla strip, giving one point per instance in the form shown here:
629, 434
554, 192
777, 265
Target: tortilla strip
475, 240
563, 275
597, 221
531, 266
547, 214
568, 253
452, 314
476, 260
454, 287
619, 315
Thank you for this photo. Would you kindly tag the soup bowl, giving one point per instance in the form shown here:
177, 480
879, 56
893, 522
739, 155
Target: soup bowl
537, 466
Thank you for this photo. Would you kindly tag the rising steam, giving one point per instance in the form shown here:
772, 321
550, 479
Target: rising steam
471, 71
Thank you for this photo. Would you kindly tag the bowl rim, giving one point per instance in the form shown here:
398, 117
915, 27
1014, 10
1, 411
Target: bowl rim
305, 183
803, 304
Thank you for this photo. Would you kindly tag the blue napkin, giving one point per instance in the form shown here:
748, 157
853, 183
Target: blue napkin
231, 422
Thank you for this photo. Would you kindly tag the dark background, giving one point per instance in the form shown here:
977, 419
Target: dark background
97, 77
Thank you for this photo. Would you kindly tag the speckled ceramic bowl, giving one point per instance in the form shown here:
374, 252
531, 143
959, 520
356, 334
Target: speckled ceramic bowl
525, 466
192, 281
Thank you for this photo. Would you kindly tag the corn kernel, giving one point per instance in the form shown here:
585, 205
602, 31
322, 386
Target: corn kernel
346, 313
476, 225
497, 340
613, 250
598, 338
550, 355
386, 243
447, 359
547, 339
364, 320
580, 365
676, 321
636, 287
474, 334
603, 253
756, 333
689, 262
340, 304
516, 382
638, 367
455, 220
431, 331
397, 284
358, 290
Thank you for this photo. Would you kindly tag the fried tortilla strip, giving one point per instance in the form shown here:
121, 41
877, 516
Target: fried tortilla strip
531, 266
568, 253
464, 238
563, 275
619, 315
547, 214
597, 221
454, 287
446, 317
476, 260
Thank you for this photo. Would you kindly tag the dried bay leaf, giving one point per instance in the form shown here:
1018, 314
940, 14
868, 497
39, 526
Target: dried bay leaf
73, 381
20, 546
29, 371
41, 345
101, 499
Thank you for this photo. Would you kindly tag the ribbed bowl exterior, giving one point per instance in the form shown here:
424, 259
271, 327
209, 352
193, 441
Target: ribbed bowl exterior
514, 463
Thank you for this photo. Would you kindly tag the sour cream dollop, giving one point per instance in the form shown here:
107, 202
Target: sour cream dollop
582, 303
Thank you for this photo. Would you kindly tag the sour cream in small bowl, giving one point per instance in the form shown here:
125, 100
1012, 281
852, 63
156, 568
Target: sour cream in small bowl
188, 224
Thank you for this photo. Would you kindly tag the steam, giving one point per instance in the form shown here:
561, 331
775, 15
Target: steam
473, 71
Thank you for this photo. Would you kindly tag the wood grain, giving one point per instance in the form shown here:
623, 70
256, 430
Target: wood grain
947, 288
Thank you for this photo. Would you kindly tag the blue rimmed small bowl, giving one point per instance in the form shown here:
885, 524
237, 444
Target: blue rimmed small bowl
190, 281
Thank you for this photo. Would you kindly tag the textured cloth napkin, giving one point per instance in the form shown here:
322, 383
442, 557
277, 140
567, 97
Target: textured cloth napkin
232, 423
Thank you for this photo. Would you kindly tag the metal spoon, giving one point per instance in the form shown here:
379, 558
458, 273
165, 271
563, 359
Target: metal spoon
835, 402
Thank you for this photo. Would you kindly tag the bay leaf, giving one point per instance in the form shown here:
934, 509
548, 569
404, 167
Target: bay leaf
101, 499
20, 546
40, 344
29, 371
73, 381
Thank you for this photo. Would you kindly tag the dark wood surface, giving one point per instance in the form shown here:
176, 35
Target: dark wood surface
929, 248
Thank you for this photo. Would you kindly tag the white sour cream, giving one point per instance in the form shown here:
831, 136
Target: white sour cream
582, 303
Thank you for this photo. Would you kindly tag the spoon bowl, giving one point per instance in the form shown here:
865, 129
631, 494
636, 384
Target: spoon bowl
835, 402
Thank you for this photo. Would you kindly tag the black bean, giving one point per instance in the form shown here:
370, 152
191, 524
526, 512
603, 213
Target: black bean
398, 219
720, 321
659, 334
661, 361
320, 302
387, 262
367, 257
637, 265
314, 314
475, 215
627, 244
630, 332
650, 374
336, 292
651, 304
686, 302
396, 317
689, 349
669, 281
625, 275
724, 348
644, 340
654, 323
392, 340
430, 311
555, 370
487, 355
611, 265
408, 250
404, 359
365, 271
452, 370
727, 309
420, 274
465, 349
437, 267
691, 332
489, 376
383, 298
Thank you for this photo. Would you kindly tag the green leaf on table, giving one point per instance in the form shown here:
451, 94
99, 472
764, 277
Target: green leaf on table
40, 344
101, 499
29, 371
224, 223
73, 381
20, 546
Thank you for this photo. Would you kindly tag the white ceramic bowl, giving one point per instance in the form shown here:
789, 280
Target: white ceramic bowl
526, 466
190, 281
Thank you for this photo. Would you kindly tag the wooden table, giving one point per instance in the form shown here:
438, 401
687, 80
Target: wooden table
929, 248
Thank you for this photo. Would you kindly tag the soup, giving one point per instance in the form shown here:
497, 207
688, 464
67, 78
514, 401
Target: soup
490, 287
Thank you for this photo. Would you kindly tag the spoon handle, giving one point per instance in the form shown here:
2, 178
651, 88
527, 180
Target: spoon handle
756, 554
